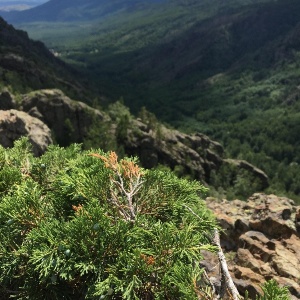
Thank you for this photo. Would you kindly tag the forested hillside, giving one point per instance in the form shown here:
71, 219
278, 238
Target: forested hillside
30, 67
230, 70
26, 65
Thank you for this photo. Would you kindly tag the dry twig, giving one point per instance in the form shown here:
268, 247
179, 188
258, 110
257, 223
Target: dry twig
126, 182
226, 280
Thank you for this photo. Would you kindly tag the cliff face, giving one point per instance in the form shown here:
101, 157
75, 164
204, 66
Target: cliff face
69, 120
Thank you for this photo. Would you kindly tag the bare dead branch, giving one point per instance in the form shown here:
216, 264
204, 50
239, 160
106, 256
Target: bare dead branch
227, 282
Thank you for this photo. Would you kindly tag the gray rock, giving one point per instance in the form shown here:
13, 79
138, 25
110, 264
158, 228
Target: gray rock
15, 124
68, 119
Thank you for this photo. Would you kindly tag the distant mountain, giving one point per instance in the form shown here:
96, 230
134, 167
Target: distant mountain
28, 65
17, 5
75, 10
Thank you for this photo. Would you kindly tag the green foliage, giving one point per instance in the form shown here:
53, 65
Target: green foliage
68, 232
100, 135
120, 114
13, 165
271, 291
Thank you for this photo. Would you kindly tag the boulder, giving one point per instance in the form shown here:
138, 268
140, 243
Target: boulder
15, 124
68, 119
247, 280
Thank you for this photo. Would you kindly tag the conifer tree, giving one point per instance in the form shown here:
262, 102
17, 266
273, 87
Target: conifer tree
82, 225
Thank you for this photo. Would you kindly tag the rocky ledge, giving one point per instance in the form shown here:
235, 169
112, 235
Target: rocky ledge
196, 155
261, 237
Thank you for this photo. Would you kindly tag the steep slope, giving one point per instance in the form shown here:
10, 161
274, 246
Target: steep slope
228, 69
27, 65
249, 38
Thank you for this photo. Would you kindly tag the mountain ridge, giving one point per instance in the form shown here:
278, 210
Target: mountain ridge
27, 65
75, 10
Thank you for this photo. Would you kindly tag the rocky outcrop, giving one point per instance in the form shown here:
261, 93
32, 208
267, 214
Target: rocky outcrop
69, 120
262, 240
154, 143
193, 154
15, 124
